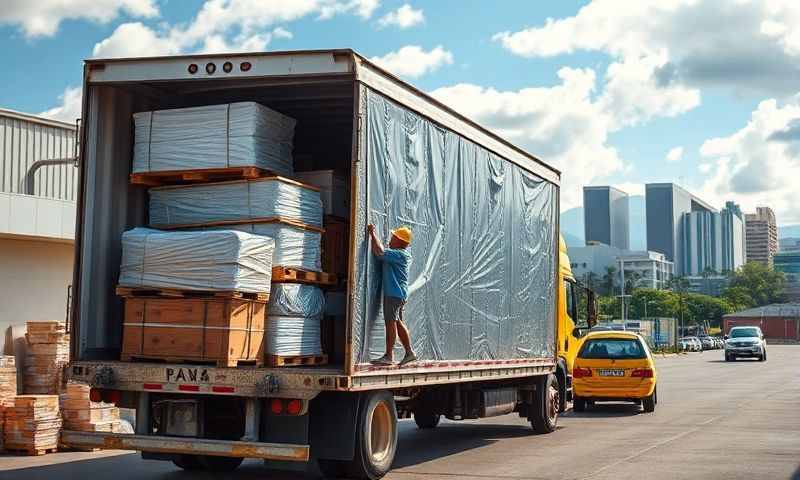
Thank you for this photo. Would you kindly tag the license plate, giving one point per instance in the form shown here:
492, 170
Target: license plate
611, 373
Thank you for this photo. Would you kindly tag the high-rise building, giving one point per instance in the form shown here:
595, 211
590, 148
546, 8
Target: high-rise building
762, 235
666, 205
606, 217
789, 264
701, 242
733, 237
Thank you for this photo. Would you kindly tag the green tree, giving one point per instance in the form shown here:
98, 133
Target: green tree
660, 303
763, 284
738, 298
704, 308
609, 280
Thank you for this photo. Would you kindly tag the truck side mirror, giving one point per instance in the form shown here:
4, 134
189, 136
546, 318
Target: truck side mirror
591, 308
577, 333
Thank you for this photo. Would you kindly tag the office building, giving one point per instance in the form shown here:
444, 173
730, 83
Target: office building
789, 245
789, 264
606, 217
666, 206
761, 235
701, 243
646, 269
733, 237
37, 217
650, 269
712, 285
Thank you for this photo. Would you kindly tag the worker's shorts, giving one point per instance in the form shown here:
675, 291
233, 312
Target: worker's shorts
393, 309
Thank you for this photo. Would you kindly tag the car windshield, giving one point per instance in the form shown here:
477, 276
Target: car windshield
744, 332
612, 348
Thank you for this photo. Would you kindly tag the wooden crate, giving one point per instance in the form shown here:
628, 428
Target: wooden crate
335, 246
226, 332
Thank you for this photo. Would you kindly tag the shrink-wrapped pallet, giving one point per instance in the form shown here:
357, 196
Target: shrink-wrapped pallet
293, 320
215, 136
218, 260
243, 200
294, 246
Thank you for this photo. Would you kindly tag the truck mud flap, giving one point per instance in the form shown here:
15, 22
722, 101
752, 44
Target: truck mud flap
191, 446
333, 425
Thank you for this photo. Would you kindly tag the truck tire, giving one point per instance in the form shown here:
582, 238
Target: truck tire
544, 411
649, 402
187, 462
376, 436
425, 419
578, 404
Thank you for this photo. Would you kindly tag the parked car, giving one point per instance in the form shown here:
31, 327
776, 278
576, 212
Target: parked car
720, 342
614, 366
706, 342
693, 343
745, 342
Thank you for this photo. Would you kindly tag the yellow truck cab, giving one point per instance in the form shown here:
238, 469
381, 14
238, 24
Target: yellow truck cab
577, 312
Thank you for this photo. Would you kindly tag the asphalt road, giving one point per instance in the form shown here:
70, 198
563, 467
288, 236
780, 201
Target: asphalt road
714, 420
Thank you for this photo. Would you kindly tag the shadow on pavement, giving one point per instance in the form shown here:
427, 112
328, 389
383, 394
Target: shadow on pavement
607, 410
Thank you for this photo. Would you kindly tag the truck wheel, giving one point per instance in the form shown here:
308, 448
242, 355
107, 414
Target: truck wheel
187, 462
425, 420
219, 464
578, 404
544, 411
649, 402
376, 436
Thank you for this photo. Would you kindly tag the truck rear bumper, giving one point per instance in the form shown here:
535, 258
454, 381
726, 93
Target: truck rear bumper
191, 446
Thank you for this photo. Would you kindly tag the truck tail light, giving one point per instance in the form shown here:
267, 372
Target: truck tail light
95, 395
104, 395
642, 373
294, 406
276, 406
581, 372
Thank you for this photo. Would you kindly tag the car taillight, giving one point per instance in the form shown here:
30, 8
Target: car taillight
642, 373
581, 372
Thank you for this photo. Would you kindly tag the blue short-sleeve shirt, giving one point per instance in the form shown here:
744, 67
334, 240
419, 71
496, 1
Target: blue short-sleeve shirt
395, 272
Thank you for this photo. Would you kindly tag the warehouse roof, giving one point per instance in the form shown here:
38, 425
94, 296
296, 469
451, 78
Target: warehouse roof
774, 310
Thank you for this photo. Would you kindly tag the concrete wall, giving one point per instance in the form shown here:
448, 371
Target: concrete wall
34, 275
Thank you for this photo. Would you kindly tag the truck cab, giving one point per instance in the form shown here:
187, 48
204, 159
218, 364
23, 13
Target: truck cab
577, 312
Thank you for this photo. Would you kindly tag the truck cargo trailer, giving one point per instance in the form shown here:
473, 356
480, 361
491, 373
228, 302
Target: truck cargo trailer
484, 289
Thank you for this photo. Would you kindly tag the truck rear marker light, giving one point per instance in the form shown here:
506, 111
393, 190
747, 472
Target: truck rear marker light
222, 389
189, 388
192, 68
581, 373
294, 406
112, 396
227, 67
152, 386
276, 406
210, 68
642, 373
245, 66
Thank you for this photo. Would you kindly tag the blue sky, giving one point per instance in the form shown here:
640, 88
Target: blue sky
601, 93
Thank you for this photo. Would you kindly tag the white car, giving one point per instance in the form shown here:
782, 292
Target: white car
745, 342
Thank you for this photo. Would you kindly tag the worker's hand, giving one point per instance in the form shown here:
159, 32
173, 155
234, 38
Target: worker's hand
370, 228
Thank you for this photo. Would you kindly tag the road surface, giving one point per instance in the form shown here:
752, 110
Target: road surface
714, 420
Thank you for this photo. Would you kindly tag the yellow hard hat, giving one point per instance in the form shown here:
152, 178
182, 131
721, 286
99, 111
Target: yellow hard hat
403, 233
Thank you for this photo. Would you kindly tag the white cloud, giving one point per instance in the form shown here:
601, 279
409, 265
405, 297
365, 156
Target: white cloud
362, 8
674, 154
413, 62
760, 163
70, 108
564, 125
402, 18
43, 17
744, 45
136, 40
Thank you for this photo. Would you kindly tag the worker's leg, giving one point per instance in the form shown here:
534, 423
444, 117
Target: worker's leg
389, 317
391, 337
405, 338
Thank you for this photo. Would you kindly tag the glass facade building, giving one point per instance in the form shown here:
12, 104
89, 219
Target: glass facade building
606, 218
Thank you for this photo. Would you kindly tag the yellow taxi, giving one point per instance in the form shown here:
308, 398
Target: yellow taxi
614, 366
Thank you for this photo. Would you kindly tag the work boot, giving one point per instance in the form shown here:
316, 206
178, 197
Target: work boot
384, 360
408, 358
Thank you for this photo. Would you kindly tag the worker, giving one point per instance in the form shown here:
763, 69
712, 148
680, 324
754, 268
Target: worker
395, 260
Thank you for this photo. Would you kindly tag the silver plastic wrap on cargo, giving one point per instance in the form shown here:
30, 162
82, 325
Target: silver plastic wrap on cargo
210, 260
215, 136
293, 320
294, 246
241, 200
482, 280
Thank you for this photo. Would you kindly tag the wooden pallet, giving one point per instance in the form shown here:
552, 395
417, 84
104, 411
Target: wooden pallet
296, 360
177, 293
33, 452
202, 175
296, 275
220, 363
245, 221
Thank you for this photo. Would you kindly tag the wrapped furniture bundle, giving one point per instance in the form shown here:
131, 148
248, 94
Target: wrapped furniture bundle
240, 134
294, 246
241, 200
208, 260
293, 320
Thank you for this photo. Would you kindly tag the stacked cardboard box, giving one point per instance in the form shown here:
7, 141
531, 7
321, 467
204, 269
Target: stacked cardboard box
8, 387
81, 414
48, 352
32, 424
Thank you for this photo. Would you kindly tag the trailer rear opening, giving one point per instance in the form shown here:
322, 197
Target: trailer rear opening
482, 311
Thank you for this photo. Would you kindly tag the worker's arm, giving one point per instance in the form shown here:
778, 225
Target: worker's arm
377, 246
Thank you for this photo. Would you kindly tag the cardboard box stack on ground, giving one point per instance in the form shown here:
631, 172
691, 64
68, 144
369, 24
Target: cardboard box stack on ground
48, 353
32, 424
8, 387
81, 414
